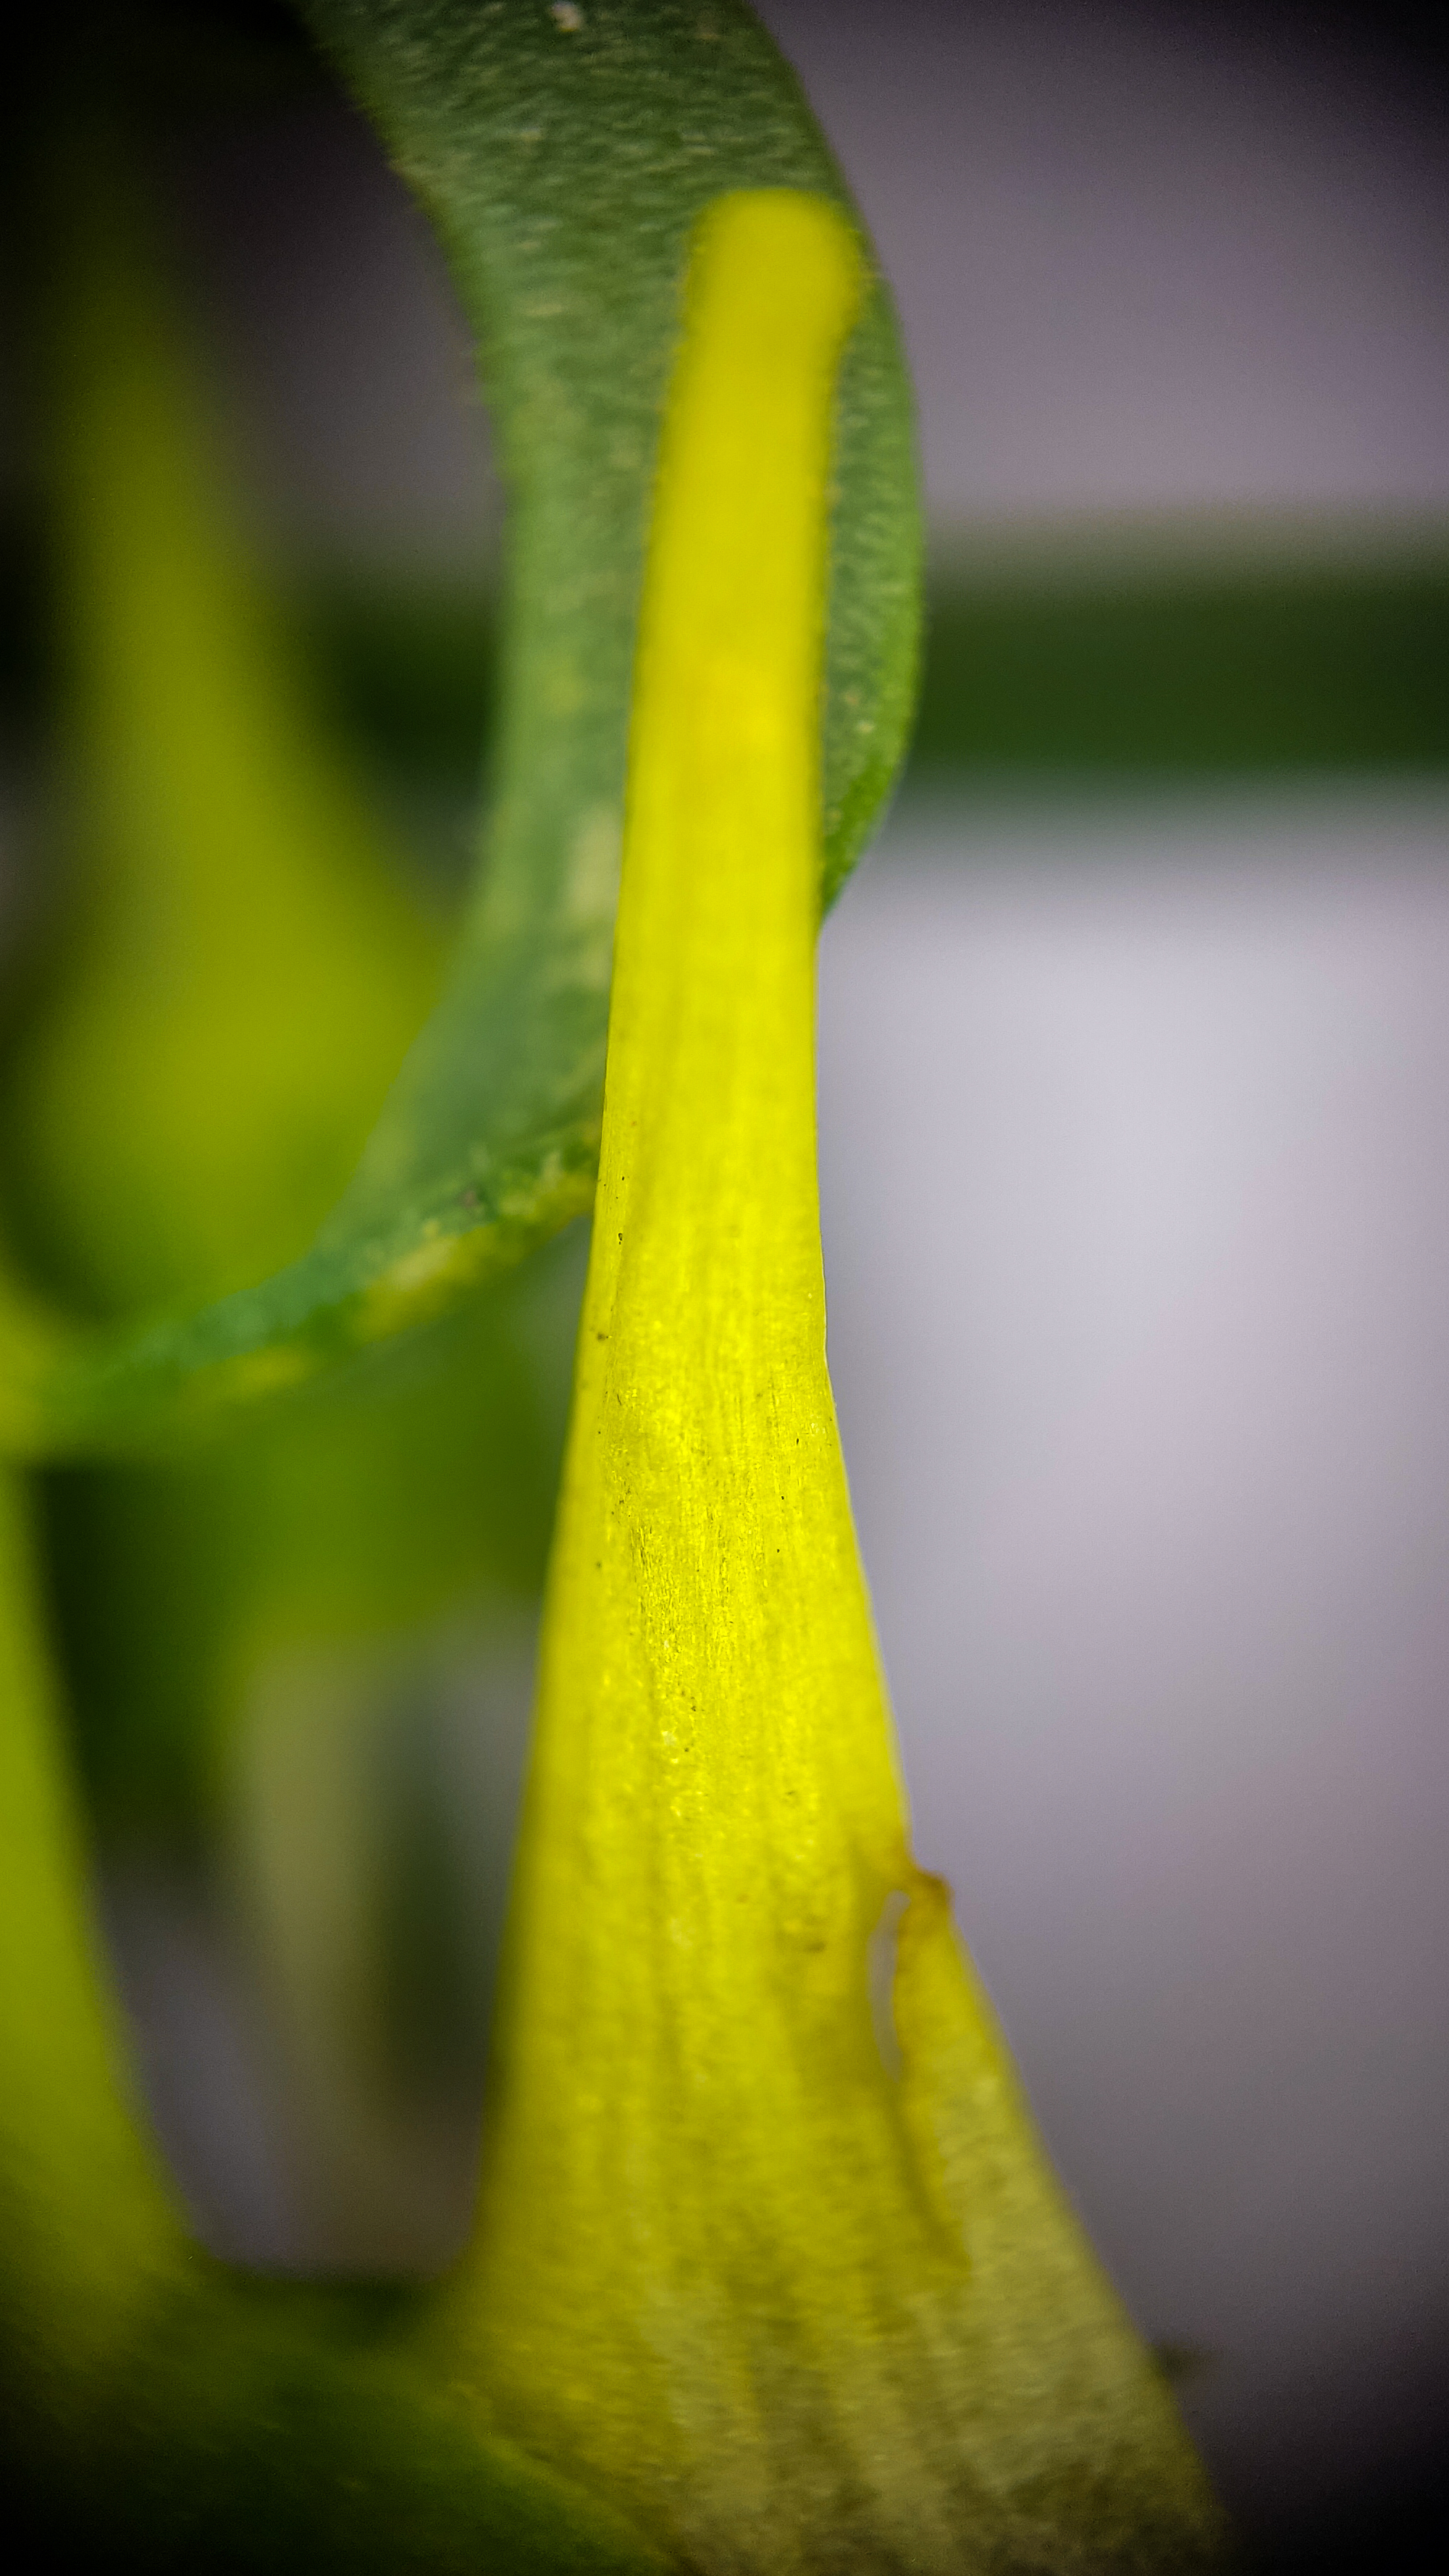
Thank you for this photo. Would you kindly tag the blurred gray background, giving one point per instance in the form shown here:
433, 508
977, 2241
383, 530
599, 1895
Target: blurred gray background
1135, 1143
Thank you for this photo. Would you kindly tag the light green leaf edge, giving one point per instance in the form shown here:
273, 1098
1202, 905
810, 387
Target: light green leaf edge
563, 162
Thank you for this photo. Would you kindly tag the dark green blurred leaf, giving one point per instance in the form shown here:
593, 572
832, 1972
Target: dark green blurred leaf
1197, 661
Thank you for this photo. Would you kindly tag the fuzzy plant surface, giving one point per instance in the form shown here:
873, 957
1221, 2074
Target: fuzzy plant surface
768, 2271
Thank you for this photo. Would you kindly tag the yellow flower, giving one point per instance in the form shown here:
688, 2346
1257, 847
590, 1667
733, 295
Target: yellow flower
767, 2251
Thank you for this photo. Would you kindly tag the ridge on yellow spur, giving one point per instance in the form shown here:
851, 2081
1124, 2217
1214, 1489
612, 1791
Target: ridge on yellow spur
781, 2272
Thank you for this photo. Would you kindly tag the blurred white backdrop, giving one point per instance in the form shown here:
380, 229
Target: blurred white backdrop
1151, 254
1137, 1246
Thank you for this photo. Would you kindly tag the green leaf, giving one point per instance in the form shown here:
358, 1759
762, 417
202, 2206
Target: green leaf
564, 158
383, 1504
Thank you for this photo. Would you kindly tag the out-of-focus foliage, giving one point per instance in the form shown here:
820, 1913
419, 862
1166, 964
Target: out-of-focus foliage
240, 967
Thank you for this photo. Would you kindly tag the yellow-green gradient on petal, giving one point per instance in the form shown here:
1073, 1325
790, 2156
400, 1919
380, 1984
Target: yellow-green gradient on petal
766, 2249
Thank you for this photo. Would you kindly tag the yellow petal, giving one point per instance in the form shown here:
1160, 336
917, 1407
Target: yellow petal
779, 2268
